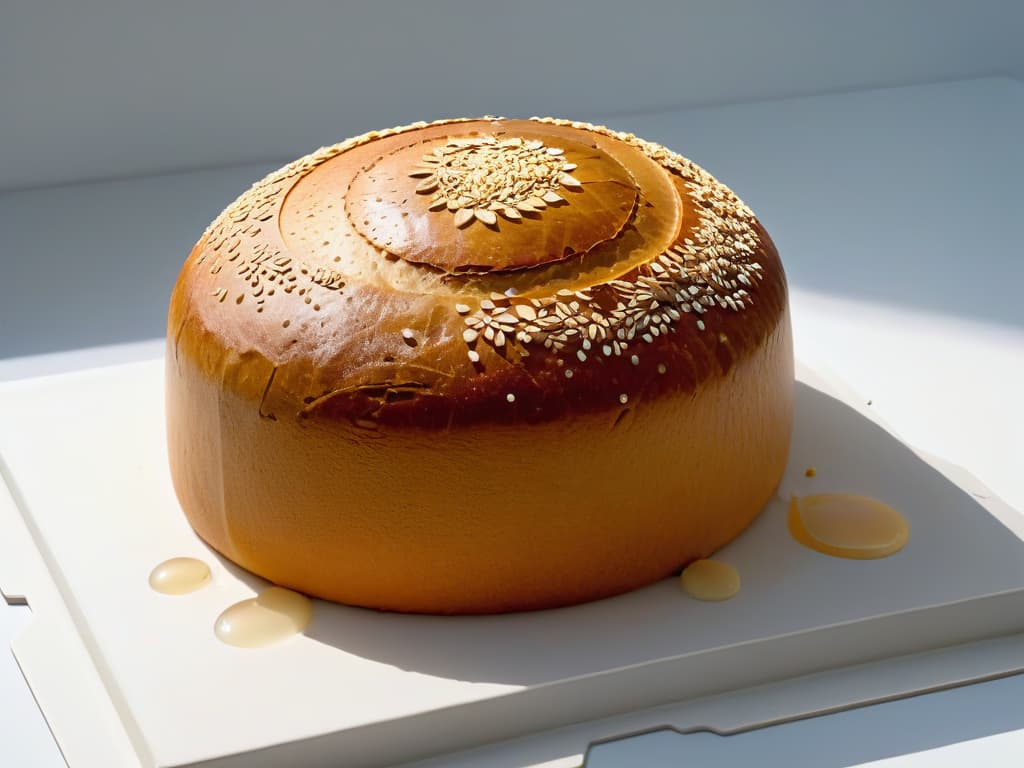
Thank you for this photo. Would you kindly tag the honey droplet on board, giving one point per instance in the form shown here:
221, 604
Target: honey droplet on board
179, 576
274, 615
710, 580
845, 525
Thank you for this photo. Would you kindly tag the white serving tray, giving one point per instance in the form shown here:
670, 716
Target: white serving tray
91, 511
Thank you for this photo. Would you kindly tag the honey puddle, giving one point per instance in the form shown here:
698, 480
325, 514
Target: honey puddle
845, 525
710, 580
179, 576
274, 615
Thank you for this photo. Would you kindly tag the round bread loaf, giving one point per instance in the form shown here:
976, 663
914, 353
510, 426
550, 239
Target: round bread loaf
479, 366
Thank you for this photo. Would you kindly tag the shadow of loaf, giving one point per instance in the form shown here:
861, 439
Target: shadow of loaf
950, 529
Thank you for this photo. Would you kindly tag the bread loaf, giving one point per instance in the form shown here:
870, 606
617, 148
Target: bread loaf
479, 366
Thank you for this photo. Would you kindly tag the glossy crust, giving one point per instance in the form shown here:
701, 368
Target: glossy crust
479, 366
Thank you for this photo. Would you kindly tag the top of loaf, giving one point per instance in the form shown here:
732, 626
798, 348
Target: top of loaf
476, 270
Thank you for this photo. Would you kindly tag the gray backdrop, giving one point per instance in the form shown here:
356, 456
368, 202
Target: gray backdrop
104, 88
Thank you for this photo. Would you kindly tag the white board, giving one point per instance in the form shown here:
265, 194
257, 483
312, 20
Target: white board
91, 511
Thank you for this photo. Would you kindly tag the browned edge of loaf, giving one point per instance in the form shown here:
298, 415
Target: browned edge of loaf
305, 341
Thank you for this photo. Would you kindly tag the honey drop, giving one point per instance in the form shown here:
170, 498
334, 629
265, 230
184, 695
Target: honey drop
845, 525
179, 576
271, 617
710, 580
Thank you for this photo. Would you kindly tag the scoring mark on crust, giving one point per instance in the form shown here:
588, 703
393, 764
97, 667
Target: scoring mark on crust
231, 239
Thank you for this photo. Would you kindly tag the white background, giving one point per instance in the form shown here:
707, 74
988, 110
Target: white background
897, 210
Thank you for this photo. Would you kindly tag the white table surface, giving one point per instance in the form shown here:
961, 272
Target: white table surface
897, 213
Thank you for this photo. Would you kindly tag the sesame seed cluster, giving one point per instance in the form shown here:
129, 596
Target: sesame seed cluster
478, 178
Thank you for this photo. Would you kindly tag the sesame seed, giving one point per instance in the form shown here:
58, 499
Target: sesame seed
510, 397
474, 356
407, 333
568, 373
635, 360
661, 368
700, 324
526, 312
623, 398
581, 355
462, 309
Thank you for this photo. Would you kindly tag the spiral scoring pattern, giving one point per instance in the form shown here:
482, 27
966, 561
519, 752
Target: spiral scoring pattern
710, 268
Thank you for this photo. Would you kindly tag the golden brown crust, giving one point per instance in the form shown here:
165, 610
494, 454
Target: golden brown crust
487, 518
531, 283
352, 332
